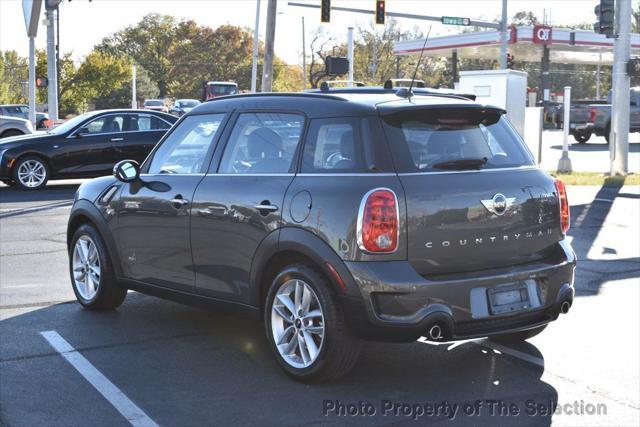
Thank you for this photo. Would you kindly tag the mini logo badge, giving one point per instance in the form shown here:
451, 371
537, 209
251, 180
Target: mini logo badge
499, 204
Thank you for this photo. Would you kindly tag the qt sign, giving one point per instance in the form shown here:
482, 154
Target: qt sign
542, 34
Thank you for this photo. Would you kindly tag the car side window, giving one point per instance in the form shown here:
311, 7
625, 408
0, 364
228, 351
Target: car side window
146, 122
112, 123
333, 146
185, 149
262, 143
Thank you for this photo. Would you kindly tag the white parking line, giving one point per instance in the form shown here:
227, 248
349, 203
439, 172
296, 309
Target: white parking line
511, 352
106, 388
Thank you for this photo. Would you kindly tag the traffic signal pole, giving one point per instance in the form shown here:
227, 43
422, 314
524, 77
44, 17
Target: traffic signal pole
32, 80
504, 37
619, 137
52, 94
270, 35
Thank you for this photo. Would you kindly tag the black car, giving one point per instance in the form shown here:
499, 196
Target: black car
83, 147
336, 217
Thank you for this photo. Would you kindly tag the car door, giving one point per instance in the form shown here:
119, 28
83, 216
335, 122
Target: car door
154, 213
89, 150
238, 204
143, 131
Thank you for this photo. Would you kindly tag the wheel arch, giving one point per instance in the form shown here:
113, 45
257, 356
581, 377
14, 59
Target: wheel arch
291, 245
84, 212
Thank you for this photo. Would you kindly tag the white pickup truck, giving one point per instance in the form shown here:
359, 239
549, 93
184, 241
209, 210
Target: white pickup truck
14, 126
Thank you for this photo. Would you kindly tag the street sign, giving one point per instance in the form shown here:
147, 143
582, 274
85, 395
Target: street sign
633, 67
31, 11
336, 65
453, 20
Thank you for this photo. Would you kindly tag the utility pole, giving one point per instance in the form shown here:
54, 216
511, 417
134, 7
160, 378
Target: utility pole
32, 80
504, 37
350, 54
304, 58
256, 43
270, 35
619, 137
52, 94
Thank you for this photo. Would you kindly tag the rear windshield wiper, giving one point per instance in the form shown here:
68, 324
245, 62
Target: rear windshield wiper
461, 164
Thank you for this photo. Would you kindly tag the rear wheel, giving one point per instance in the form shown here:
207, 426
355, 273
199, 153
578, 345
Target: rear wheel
516, 337
306, 328
582, 137
11, 132
92, 275
31, 173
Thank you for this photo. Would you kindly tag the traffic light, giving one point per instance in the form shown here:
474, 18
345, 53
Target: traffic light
380, 14
510, 60
325, 11
42, 82
605, 12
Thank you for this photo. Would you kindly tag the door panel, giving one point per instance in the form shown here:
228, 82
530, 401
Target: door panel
153, 230
226, 229
236, 208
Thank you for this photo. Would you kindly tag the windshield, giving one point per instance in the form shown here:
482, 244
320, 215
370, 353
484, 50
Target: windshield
69, 124
188, 103
153, 103
222, 89
428, 140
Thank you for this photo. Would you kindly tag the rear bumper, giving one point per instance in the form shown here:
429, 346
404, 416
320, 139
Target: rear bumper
397, 304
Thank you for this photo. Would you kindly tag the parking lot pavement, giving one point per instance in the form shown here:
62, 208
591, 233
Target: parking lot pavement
590, 157
182, 366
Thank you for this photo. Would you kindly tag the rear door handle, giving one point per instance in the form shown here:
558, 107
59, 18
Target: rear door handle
117, 139
179, 202
266, 208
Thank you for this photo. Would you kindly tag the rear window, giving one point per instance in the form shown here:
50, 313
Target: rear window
425, 140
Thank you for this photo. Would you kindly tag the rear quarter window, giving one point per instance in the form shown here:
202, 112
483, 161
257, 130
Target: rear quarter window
422, 140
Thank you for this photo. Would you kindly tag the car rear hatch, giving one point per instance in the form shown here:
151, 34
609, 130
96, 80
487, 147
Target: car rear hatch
475, 199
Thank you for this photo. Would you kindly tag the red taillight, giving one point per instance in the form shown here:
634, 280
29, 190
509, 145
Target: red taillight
564, 205
592, 115
378, 221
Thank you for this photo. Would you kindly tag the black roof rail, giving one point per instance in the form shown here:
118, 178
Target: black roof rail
400, 91
277, 94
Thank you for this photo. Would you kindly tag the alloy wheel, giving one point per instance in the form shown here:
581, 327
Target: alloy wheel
297, 323
86, 267
32, 173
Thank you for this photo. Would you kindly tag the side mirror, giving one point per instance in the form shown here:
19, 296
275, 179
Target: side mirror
127, 171
82, 132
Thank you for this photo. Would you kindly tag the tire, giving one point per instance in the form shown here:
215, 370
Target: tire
94, 292
336, 349
11, 132
24, 166
516, 337
582, 137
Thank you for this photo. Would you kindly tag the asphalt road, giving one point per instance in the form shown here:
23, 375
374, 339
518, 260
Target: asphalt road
175, 365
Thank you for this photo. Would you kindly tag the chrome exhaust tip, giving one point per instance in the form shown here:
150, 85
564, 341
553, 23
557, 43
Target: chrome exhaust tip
435, 333
564, 307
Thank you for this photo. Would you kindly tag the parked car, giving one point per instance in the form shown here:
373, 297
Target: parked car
21, 110
337, 217
600, 115
83, 147
14, 126
579, 114
214, 90
155, 105
183, 106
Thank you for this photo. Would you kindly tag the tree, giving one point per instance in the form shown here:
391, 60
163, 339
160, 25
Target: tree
149, 43
14, 70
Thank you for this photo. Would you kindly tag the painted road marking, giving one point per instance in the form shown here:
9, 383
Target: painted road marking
106, 388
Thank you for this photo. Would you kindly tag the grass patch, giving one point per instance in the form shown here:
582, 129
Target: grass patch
593, 178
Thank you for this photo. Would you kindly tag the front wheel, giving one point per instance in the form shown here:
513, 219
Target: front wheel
31, 173
92, 275
516, 337
306, 328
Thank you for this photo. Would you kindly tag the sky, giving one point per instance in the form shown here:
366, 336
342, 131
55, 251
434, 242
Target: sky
83, 24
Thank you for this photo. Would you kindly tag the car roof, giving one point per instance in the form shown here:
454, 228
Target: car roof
333, 103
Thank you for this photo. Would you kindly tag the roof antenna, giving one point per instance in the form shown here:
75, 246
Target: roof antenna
409, 93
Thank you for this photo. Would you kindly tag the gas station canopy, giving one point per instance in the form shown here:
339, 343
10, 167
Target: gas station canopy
566, 45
